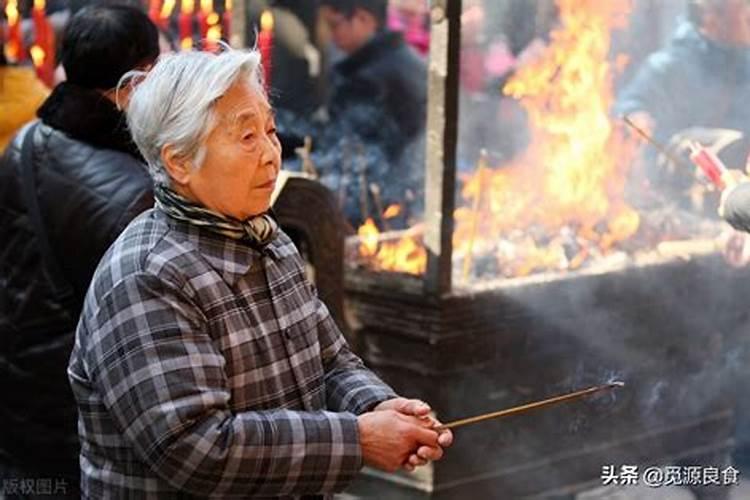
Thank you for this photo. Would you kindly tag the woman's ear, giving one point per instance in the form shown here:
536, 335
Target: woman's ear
178, 167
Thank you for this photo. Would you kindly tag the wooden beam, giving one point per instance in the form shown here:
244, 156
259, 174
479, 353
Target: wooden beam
442, 133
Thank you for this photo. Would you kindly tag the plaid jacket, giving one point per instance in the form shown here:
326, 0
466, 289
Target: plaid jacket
205, 367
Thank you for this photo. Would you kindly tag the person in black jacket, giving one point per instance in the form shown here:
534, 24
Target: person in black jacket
60, 209
369, 148
379, 89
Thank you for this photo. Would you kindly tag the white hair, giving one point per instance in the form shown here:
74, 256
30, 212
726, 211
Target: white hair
174, 103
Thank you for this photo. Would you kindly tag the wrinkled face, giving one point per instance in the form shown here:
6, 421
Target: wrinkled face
348, 33
243, 156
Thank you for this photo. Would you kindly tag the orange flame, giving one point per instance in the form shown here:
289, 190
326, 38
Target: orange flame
167, 8
405, 254
37, 55
11, 12
569, 183
266, 21
392, 211
13, 48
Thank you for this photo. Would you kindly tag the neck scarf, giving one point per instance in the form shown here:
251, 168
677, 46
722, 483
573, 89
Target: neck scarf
258, 230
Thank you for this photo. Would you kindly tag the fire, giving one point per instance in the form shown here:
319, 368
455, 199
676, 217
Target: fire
37, 55
13, 47
167, 8
562, 200
404, 254
11, 12
392, 211
266, 21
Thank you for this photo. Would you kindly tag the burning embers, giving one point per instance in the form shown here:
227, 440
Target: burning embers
560, 204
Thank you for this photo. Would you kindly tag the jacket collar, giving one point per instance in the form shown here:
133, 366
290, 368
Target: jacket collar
232, 259
86, 115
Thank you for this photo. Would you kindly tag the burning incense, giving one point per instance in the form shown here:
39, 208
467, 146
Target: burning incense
377, 200
659, 147
530, 406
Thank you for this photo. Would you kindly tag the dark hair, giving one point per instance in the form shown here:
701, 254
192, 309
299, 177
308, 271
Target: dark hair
102, 43
347, 7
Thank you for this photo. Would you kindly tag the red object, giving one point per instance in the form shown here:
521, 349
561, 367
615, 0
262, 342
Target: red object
44, 39
265, 46
154, 11
40, 30
186, 26
709, 163
203, 24
16, 40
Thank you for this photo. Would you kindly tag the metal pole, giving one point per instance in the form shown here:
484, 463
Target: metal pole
442, 132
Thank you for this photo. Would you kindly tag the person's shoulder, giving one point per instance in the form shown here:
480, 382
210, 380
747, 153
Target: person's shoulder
108, 174
395, 53
149, 245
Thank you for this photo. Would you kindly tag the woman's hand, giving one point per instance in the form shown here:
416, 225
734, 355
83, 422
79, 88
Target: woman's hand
421, 410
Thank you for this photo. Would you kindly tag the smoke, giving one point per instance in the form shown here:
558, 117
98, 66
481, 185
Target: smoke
365, 162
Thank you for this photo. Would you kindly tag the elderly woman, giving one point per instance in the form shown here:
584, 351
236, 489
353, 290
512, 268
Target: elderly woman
204, 363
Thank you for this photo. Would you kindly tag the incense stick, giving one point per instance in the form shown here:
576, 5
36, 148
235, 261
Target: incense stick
529, 406
658, 146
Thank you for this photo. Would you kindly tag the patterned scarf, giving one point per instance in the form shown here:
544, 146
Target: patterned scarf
259, 230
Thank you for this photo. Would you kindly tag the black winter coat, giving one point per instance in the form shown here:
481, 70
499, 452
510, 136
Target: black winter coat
91, 182
380, 93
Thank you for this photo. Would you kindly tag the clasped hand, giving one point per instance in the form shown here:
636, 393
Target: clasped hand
399, 433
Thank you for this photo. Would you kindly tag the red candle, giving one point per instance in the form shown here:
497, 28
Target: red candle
709, 163
165, 14
186, 24
43, 51
40, 20
15, 41
207, 8
265, 45
154, 10
213, 33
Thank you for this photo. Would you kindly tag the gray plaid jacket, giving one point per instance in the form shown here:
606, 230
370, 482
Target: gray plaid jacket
205, 367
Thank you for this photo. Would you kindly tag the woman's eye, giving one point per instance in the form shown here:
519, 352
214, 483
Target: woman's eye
248, 136
271, 131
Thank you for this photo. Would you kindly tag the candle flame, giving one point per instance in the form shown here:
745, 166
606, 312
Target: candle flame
392, 211
186, 43
228, 6
266, 21
40, 4
207, 6
11, 12
166, 9
212, 19
187, 7
37, 55
214, 33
